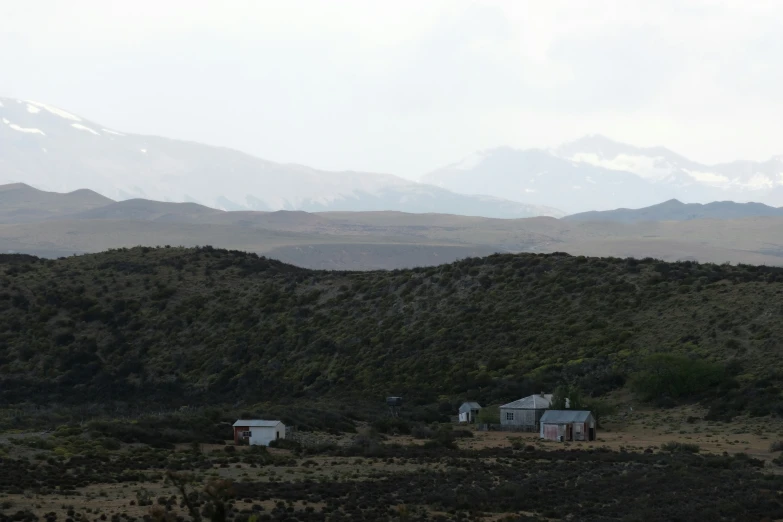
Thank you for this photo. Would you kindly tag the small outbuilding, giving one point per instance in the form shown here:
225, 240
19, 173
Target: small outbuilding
568, 425
258, 432
525, 413
469, 411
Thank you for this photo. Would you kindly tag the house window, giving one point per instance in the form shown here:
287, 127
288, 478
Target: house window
509, 415
246, 434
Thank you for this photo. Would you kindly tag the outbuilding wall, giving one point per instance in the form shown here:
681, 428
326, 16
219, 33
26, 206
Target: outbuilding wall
238, 432
263, 435
580, 431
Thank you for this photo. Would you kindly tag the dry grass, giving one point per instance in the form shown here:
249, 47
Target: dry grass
637, 431
649, 428
364, 240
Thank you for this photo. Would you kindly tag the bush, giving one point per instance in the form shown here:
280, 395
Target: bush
489, 415
440, 442
110, 443
392, 426
776, 446
675, 376
600, 409
517, 443
680, 447
420, 431
285, 444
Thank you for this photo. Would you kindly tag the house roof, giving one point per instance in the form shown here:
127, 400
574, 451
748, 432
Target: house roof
257, 423
533, 402
564, 416
470, 405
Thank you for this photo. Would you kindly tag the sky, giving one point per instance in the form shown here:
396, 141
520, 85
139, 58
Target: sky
406, 87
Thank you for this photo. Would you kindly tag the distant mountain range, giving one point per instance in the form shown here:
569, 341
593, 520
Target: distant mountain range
51, 224
596, 173
54, 150
674, 210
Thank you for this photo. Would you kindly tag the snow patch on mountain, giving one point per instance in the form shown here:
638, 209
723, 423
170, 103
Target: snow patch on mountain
652, 168
25, 130
759, 181
32, 109
708, 178
84, 128
54, 110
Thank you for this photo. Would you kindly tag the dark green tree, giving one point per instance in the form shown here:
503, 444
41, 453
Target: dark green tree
570, 392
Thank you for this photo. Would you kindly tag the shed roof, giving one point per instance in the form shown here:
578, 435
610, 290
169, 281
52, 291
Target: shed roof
471, 404
257, 423
533, 402
564, 416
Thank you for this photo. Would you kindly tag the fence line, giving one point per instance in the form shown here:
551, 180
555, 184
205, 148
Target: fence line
508, 427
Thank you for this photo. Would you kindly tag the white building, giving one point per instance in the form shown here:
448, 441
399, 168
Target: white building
258, 432
469, 411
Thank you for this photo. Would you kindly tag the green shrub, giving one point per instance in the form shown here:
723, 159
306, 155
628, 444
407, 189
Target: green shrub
285, 444
420, 431
489, 415
673, 376
392, 426
680, 447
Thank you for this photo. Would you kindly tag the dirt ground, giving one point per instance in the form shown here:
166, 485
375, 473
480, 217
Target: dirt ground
631, 430
640, 429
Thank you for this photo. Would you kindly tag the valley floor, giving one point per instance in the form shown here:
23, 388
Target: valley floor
624, 475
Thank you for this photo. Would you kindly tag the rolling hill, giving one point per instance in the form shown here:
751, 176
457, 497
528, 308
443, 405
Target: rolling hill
174, 326
21, 203
54, 150
674, 210
56, 225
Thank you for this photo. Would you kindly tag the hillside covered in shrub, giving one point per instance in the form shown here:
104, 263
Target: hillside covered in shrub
174, 327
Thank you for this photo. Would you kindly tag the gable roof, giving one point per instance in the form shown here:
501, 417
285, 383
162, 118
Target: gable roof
565, 416
532, 402
470, 405
257, 423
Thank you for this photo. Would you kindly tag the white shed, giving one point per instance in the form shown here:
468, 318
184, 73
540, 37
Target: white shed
469, 411
258, 432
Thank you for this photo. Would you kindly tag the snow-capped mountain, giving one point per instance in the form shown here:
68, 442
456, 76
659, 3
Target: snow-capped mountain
661, 165
596, 173
55, 150
542, 176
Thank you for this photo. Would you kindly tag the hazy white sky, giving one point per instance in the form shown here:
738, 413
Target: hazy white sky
407, 86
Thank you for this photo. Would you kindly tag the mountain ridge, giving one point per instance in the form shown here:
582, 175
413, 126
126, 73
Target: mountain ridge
675, 210
55, 150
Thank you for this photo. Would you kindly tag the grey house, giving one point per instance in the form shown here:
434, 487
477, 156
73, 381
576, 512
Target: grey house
525, 413
563, 425
469, 411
